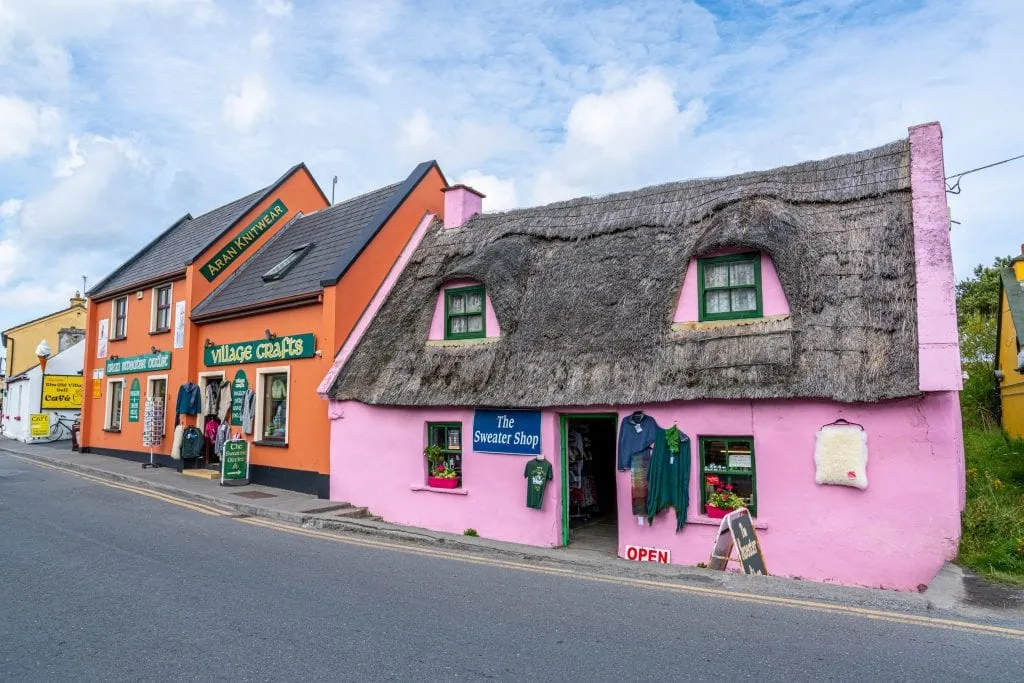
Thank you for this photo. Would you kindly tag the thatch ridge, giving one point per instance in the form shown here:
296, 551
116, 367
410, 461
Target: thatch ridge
585, 290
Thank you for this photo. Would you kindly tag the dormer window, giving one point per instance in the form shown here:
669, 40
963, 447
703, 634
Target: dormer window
464, 313
287, 263
730, 287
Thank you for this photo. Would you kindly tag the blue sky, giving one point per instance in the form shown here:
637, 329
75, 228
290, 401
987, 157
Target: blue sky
118, 116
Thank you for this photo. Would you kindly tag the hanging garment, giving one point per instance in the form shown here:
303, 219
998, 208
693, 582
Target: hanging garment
248, 411
224, 406
176, 442
841, 456
668, 478
212, 397
188, 402
192, 443
210, 429
538, 473
635, 435
638, 475
223, 434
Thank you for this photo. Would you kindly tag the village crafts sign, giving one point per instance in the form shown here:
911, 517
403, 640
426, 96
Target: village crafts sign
143, 363
282, 348
516, 432
245, 239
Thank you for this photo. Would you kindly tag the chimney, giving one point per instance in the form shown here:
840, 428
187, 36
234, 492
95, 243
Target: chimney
77, 300
461, 203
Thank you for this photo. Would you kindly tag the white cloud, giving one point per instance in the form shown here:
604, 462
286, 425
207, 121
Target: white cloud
277, 8
23, 125
261, 40
244, 107
66, 165
10, 208
500, 194
417, 132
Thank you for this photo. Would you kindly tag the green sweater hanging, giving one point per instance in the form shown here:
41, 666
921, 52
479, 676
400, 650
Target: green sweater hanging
668, 477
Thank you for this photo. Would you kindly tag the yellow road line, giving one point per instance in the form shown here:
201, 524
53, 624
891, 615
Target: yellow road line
156, 495
808, 605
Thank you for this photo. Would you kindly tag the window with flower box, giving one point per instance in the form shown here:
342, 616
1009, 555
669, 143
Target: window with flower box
444, 454
464, 313
729, 287
727, 465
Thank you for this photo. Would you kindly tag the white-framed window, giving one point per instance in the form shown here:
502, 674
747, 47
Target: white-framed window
119, 317
272, 388
156, 388
114, 404
160, 317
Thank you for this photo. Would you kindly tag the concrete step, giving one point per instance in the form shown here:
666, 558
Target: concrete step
202, 474
354, 513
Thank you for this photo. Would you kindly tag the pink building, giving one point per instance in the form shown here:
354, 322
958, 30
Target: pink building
753, 313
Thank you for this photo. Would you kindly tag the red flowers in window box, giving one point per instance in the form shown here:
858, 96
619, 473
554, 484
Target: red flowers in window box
715, 513
442, 483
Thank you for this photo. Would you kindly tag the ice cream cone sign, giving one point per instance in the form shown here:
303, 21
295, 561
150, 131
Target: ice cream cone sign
43, 354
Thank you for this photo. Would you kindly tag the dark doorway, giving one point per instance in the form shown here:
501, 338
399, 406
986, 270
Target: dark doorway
588, 464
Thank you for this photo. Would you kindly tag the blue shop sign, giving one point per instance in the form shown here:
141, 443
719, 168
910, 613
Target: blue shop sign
516, 432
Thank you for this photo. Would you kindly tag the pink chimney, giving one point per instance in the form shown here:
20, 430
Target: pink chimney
461, 203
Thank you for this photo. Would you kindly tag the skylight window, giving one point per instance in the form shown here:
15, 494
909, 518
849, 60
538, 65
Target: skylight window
287, 263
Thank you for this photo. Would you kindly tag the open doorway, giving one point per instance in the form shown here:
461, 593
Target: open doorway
589, 515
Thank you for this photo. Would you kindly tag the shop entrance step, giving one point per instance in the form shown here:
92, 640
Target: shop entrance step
202, 474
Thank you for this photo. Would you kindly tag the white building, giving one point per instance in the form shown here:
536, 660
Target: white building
25, 394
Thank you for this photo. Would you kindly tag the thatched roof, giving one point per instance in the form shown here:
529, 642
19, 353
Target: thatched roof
585, 292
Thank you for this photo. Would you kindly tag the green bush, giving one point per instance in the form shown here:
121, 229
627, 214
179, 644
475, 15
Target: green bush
979, 400
992, 542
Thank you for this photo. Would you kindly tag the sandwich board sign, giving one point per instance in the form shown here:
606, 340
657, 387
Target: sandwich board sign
737, 529
234, 463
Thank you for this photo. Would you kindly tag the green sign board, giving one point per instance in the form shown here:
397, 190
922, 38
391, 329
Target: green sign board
134, 398
280, 348
143, 363
243, 240
234, 463
239, 386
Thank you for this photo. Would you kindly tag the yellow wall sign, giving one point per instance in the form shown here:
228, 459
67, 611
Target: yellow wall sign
62, 392
97, 388
40, 424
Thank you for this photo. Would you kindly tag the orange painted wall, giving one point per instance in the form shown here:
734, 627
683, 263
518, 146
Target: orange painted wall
138, 341
308, 426
356, 288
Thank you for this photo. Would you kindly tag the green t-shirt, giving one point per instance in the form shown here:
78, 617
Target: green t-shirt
538, 474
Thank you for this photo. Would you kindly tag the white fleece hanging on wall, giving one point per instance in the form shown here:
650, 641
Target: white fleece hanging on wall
841, 456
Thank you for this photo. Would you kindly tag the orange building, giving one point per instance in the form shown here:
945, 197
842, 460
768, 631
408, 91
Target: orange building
255, 298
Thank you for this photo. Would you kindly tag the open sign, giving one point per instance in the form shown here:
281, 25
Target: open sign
638, 553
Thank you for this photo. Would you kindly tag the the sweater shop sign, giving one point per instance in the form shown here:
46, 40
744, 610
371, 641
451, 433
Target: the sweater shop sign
243, 240
160, 360
280, 348
515, 432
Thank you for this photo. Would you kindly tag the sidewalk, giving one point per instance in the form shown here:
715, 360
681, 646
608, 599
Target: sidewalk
952, 592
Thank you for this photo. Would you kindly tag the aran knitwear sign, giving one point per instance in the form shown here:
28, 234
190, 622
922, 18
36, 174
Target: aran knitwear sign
282, 348
515, 432
243, 240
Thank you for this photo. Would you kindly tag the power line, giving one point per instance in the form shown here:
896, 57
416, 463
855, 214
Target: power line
955, 187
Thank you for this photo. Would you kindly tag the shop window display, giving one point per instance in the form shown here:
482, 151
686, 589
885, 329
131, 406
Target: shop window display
275, 407
727, 466
444, 454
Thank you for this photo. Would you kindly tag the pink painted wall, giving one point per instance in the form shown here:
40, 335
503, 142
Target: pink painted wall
460, 204
491, 328
773, 298
938, 343
896, 534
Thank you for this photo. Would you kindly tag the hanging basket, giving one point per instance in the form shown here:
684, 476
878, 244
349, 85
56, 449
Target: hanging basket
441, 483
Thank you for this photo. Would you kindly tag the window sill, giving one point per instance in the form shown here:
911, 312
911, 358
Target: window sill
463, 342
759, 523
155, 332
424, 487
113, 339
712, 324
271, 444
111, 431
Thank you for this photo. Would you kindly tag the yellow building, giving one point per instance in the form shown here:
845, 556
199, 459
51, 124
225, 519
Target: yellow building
1009, 358
61, 330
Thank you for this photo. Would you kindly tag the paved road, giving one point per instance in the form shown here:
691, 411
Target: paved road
102, 583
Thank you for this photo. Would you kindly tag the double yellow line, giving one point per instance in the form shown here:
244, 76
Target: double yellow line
156, 495
807, 605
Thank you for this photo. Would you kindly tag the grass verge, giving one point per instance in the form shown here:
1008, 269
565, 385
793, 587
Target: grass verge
992, 543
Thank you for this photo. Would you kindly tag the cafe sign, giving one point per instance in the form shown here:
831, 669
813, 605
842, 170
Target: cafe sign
245, 239
142, 363
281, 348
62, 392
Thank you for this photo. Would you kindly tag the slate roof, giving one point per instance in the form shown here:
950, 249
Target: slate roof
182, 243
338, 235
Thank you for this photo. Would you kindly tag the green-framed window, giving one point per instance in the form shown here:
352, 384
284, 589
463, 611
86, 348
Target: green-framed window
464, 316
447, 436
729, 287
728, 461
